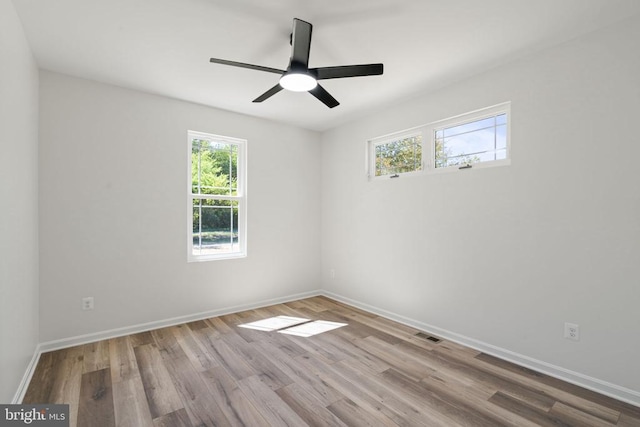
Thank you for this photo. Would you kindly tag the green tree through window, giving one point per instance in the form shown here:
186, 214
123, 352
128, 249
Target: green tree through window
400, 155
215, 194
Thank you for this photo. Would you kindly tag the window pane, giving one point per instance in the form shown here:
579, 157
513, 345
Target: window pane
501, 136
476, 141
469, 127
233, 169
470, 143
214, 167
215, 226
441, 158
399, 156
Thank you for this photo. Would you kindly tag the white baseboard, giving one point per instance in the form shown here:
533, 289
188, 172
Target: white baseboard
603, 387
128, 330
26, 378
599, 386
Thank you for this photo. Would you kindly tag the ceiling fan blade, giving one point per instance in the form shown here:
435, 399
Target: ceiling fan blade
324, 96
324, 73
268, 94
300, 43
243, 65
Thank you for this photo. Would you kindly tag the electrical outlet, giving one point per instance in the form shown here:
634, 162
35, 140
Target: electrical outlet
572, 331
332, 274
87, 303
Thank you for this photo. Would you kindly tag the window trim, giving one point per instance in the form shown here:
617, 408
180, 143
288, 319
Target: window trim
473, 116
374, 142
241, 196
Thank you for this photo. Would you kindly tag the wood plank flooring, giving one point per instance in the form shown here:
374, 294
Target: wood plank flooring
373, 372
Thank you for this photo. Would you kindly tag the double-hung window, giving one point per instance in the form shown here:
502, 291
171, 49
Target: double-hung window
217, 206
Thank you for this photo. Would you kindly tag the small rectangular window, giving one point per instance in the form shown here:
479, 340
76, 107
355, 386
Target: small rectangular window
217, 197
396, 154
476, 139
479, 137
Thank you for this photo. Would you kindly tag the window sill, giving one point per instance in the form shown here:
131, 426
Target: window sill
205, 258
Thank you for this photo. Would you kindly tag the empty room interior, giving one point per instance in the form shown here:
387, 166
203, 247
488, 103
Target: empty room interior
386, 213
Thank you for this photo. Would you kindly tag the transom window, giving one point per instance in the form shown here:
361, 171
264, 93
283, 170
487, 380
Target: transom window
217, 197
470, 139
397, 154
476, 139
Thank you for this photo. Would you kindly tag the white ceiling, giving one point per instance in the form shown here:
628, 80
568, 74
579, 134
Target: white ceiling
163, 46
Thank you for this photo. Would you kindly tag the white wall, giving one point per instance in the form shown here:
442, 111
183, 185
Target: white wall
507, 255
113, 209
18, 201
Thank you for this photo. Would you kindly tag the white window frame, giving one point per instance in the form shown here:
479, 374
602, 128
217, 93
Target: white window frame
484, 113
428, 133
240, 198
374, 142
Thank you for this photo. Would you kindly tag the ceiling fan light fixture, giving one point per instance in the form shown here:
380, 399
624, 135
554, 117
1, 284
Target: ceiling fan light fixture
298, 82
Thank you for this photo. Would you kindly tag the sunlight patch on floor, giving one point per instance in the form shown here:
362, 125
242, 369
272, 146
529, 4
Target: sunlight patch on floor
274, 323
312, 328
298, 326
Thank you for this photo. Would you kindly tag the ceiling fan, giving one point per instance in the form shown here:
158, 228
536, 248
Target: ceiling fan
298, 77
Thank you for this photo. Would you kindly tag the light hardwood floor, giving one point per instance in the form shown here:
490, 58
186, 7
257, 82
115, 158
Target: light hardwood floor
373, 372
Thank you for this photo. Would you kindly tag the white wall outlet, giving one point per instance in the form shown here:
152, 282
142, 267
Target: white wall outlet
87, 303
332, 274
572, 331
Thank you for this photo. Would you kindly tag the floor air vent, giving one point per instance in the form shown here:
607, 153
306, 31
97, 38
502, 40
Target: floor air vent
428, 337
